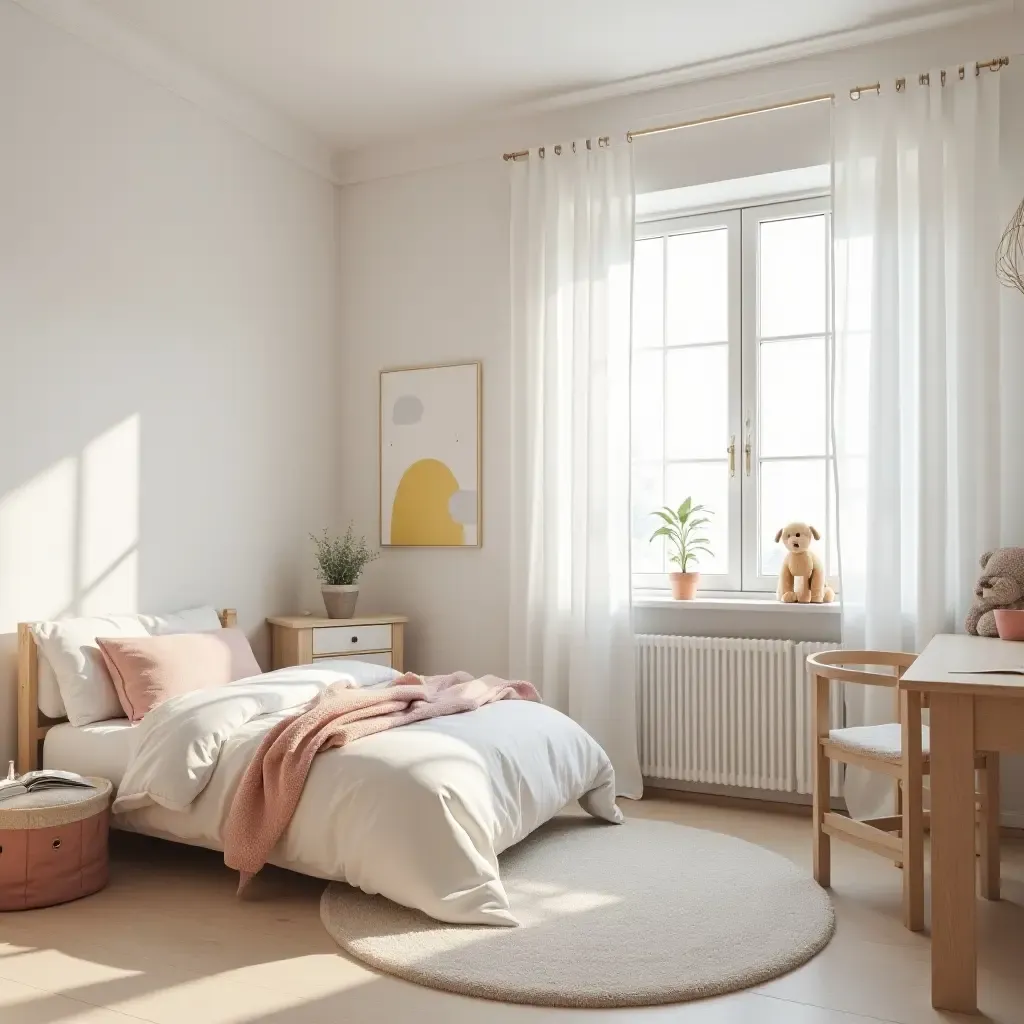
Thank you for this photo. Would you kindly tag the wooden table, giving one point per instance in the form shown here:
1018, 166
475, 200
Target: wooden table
970, 713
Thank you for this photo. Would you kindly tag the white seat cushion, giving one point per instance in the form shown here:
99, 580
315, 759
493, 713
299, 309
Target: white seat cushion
884, 742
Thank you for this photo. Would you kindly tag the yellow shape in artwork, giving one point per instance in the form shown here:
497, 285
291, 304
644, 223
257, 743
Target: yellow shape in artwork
419, 514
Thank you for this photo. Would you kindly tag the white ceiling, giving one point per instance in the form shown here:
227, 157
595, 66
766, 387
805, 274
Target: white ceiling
360, 71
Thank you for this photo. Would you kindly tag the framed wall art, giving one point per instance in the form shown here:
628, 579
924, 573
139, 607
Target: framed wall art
430, 456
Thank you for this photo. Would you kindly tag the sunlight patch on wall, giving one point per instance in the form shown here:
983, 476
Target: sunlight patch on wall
69, 536
37, 545
108, 555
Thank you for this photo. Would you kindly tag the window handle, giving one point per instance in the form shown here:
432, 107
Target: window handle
732, 455
748, 447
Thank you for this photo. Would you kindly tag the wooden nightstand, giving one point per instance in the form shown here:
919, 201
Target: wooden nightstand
303, 639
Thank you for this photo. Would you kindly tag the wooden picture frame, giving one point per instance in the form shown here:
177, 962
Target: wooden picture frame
430, 490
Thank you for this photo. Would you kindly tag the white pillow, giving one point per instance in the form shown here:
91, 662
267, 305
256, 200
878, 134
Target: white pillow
69, 646
191, 620
50, 701
83, 674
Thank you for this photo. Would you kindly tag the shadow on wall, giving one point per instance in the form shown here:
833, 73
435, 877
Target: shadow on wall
69, 544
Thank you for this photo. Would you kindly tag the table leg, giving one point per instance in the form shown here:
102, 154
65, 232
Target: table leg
954, 931
989, 828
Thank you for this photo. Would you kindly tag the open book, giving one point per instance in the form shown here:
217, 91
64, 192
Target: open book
38, 781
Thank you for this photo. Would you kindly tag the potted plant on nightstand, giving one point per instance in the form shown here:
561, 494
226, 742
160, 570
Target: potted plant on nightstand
680, 526
340, 562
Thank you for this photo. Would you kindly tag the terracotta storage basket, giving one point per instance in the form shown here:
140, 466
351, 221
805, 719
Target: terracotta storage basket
53, 846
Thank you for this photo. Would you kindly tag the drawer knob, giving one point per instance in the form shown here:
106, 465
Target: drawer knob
355, 639
56, 844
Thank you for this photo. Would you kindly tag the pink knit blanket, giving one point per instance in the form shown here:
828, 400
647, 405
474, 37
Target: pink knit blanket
270, 789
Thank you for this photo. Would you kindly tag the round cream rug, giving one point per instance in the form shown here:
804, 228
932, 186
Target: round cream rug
611, 915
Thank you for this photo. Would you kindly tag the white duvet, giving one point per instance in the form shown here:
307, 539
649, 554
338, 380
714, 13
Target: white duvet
418, 814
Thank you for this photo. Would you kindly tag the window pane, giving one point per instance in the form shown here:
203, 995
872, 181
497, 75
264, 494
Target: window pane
647, 401
793, 388
792, 274
697, 413
698, 287
708, 484
647, 495
791, 491
648, 292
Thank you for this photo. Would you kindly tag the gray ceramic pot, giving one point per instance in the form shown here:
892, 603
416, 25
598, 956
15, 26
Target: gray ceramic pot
339, 601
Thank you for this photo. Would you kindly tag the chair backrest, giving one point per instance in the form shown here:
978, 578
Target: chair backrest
836, 665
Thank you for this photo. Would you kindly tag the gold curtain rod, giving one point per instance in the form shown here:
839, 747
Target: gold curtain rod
925, 78
855, 94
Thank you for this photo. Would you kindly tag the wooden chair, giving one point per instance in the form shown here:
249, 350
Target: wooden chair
899, 750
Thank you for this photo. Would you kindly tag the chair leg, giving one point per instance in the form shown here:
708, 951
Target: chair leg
822, 840
912, 812
988, 865
898, 864
822, 790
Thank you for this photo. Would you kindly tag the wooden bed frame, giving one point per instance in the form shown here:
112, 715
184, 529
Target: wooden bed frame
33, 725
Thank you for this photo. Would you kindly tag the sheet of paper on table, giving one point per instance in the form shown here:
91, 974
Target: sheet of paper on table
1009, 670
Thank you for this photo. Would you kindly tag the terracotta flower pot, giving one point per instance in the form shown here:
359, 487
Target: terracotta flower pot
340, 601
684, 585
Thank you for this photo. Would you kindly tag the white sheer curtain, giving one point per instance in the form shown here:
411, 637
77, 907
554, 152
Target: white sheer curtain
917, 361
570, 622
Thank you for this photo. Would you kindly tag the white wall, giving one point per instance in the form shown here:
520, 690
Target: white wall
424, 264
168, 358
424, 279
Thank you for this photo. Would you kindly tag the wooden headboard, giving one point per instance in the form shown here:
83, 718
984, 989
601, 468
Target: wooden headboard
33, 725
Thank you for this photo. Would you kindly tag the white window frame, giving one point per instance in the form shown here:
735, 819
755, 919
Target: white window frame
730, 220
744, 576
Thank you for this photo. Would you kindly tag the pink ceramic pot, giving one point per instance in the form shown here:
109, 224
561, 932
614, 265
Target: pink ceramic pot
1010, 623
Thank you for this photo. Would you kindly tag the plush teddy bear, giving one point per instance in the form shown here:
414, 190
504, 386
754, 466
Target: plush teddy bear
1000, 585
801, 561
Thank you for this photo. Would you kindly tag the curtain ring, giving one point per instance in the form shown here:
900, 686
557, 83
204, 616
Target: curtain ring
540, 152
961, 72
925, 79
901, 84
558, 150
942, 77
855, 94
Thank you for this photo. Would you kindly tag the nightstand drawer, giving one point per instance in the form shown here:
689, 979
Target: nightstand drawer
375, 658
350, 639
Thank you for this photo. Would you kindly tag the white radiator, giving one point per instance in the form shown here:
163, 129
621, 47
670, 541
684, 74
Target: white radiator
728, 712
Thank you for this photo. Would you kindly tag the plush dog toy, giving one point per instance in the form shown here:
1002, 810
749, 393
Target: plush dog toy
1000, 585
801, 561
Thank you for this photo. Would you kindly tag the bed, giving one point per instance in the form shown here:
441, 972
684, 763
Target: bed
418, 814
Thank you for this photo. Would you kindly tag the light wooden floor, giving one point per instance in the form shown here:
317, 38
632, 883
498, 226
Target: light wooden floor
168, 941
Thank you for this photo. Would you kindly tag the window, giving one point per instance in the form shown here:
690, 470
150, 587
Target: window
731, 343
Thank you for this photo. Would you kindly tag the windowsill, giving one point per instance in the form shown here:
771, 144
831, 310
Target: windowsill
730, 603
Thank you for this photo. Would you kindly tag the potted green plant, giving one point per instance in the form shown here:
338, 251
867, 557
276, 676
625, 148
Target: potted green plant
679, 527
340, 562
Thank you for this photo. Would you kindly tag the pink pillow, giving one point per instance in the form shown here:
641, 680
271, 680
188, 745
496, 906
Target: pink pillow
148, 670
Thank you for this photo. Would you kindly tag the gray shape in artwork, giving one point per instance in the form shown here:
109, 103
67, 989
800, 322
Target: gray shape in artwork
462, 507
408, 409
